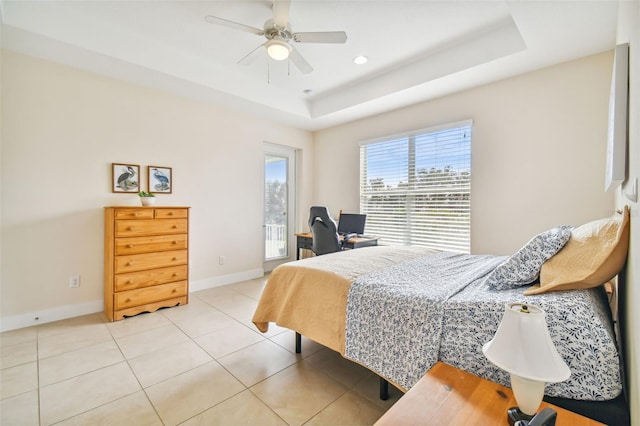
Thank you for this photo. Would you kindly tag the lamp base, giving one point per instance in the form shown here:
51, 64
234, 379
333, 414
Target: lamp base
514, 414
546, 417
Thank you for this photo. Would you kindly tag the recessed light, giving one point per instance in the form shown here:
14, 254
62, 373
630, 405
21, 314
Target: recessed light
359, 60
307, 91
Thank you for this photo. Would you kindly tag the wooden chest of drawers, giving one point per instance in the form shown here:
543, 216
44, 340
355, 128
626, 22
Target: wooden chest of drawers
146, 259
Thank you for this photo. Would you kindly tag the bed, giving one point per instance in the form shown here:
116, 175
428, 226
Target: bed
398, 310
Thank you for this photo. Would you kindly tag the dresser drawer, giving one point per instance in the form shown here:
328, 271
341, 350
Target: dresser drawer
150, 277
171, 213
136, 245
149, 307
142, 296
140, 262
139, 228
138, 213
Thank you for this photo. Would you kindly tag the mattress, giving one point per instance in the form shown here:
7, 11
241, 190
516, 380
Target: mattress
579, 322
443, 311
395, 315
310, 295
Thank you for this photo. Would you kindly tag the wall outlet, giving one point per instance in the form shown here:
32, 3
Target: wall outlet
221, 260
74, 281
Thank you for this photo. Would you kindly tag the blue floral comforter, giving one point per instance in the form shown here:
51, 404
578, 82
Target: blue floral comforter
403, 319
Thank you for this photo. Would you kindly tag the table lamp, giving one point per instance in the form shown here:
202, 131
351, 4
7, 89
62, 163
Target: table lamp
522, 347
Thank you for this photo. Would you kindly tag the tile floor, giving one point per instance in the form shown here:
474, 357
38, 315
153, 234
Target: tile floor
199, 364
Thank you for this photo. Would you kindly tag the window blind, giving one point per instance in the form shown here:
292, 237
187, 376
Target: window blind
415, 189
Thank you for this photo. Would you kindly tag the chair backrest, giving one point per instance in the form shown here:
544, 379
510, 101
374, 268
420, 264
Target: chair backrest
324, 230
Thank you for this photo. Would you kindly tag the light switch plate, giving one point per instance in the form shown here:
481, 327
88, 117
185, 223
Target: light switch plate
630, 189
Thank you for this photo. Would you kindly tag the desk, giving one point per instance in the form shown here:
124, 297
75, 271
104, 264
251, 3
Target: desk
448, 396
304, 241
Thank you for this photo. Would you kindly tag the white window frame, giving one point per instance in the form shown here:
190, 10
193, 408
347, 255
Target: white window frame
422, 202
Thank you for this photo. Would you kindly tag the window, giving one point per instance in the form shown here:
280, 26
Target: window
415, 189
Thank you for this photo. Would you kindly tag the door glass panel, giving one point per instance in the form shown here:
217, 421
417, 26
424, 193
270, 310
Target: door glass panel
275, 207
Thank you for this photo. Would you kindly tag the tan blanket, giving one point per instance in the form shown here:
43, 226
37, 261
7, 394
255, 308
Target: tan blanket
310, 295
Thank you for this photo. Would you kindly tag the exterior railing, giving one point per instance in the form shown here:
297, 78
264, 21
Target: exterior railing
275, 241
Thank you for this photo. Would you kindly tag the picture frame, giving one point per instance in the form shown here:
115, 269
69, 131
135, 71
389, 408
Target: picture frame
125, 178
159, 180
616, 166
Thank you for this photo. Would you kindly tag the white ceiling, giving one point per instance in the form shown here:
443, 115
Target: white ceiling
417, 49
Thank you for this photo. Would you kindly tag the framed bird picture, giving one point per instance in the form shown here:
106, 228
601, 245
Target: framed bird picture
125, 177
160, 179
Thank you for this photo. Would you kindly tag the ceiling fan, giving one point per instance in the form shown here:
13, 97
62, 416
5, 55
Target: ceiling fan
278, 33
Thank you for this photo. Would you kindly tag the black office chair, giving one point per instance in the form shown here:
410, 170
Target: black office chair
324, 231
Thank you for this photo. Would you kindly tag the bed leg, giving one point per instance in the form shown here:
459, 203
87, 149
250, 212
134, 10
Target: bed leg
384, 389
298, 343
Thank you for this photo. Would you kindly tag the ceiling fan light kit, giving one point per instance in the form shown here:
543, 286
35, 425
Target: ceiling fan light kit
278, 33
278, 49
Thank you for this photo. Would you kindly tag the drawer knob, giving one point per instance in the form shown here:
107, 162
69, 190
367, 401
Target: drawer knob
170, 214
175, 258
129, 282
175, 242
128, 300
174, 290
174, 226
129, 245
175, 274
130, 228
130, 263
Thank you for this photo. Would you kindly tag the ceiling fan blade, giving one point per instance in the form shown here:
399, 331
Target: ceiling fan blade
235, 25
321, 37
250, 57
281, 12
299, 61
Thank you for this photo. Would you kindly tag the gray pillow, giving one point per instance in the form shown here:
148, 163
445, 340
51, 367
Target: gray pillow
524, 266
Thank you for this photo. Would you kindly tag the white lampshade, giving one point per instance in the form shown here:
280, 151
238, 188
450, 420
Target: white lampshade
522, 346
278, 49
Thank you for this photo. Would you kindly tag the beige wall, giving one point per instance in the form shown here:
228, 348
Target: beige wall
538, 151
629, 32
538, 147
61, 130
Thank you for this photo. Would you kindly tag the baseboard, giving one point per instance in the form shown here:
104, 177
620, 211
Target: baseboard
69, 311
50, 315
197, 285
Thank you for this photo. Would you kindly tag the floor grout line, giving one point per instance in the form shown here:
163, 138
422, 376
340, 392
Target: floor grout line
235, 313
